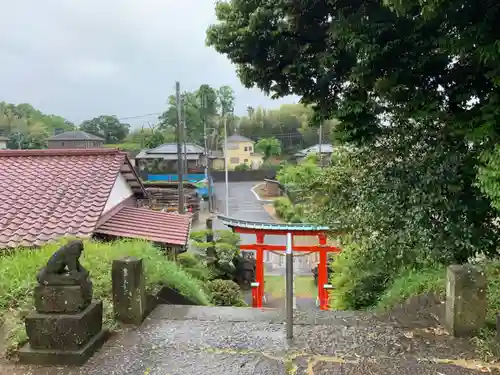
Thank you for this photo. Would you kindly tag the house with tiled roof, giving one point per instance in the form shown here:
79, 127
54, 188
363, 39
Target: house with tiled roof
48, 194
74, 139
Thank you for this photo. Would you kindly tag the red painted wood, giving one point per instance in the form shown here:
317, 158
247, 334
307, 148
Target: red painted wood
313, 248
322, 280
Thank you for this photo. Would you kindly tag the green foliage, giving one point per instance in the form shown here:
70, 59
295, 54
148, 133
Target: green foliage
225, 293
399, 205
220, 254
489, 176
337, 57
194, 265
206, 105
242, 167
107, 127
413, 283
269, 147
287, 211
28, 128
19, 269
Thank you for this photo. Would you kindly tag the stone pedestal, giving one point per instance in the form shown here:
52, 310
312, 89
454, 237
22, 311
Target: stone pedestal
129, 292
66, 328
466, 301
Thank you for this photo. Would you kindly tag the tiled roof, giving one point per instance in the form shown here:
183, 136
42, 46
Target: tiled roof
171, 148
156, 226
46, 194
77, 135
238, 138
326, 148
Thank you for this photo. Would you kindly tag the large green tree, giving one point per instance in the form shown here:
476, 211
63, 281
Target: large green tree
340, 57
108, 127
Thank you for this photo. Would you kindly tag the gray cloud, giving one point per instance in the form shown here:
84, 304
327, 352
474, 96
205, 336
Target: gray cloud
83, 58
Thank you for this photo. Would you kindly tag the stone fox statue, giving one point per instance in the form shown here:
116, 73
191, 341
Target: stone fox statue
63, 267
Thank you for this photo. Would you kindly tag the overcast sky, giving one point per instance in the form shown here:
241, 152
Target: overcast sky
83, 58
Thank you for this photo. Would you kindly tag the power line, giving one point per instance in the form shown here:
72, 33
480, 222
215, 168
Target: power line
141, 116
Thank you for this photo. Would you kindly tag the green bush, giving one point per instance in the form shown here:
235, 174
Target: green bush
20, 267
221, 261
413, 283
242, 167
365, 268
283, 208
225, 293
193, 265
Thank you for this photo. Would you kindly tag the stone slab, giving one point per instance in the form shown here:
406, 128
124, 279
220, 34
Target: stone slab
129, 293
64, 331
63, 298
29, 355
466, 300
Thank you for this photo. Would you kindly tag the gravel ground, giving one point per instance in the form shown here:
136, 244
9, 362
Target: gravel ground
177, 340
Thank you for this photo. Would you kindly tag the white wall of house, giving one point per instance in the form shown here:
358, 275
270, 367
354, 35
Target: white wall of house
3, 145
121, 190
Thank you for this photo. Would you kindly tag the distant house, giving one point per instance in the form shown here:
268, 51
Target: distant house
326, 152
164, 159
240, 150
74, 139
48, 194
3, 142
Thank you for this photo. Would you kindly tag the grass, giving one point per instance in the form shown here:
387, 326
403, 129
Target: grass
19, 269
412, 283
304, 286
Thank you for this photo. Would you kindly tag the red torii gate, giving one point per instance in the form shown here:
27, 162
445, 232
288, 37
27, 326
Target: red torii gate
261, 229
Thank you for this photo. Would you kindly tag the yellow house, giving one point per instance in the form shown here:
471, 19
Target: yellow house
240, 150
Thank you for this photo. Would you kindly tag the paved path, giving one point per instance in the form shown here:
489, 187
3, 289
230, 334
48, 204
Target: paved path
183, 340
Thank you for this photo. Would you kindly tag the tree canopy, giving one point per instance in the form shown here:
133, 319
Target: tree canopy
357, 61
269, 147
107, 127
27, 127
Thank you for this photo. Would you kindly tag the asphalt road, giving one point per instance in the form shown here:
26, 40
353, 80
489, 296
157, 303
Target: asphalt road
243, 205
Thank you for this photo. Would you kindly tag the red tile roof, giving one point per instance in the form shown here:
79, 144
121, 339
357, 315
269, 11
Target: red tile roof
46, 194
147, 224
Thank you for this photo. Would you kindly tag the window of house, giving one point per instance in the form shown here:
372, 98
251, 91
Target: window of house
234, 160
250, 148
246, 161
62, 143
246, 148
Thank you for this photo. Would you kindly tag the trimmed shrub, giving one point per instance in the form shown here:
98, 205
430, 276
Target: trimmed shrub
194, 266
225, 293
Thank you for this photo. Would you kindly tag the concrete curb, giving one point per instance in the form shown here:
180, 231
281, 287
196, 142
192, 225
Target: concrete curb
257, 195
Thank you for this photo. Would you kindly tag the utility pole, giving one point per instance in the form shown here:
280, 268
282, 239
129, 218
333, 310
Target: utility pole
204, 106
180, 140
226, 162
184, 129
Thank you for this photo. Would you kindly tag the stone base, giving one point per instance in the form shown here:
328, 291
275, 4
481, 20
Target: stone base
63, 299
64, 331
28, 355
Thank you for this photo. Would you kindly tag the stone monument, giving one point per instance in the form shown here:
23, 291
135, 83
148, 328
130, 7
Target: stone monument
66, 328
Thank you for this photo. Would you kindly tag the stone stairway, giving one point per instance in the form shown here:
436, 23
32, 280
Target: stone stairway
184, 340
